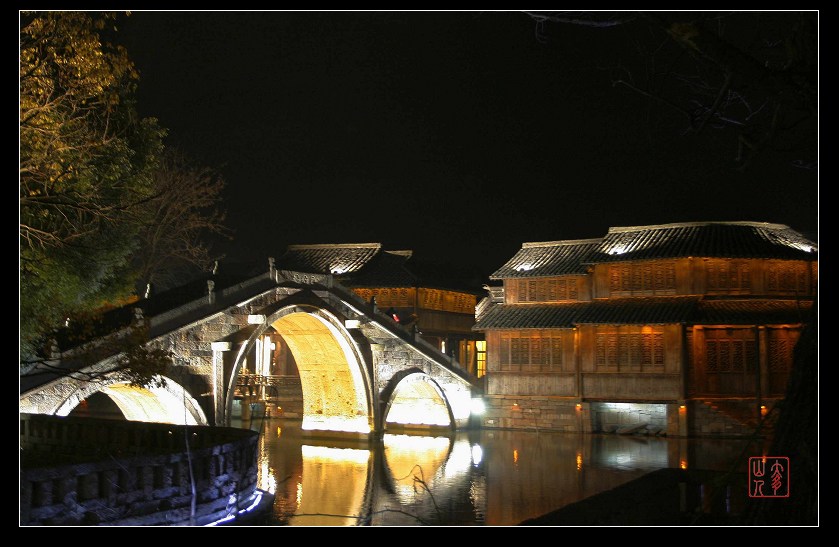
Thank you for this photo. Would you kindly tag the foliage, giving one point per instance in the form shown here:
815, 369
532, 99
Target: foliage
101, 204
86, 165
95, 357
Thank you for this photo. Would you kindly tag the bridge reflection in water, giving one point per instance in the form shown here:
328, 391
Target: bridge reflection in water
471, 478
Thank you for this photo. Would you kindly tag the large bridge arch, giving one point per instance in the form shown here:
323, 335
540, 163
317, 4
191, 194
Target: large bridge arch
336, 384
165, 400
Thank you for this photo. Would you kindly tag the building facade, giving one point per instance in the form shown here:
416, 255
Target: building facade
679, 329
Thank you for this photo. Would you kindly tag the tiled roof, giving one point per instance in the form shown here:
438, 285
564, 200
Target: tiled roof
387, 269
639, 311
504, 316
368, 265
338, 259
549, 258
691, 310
752, 312
704, 239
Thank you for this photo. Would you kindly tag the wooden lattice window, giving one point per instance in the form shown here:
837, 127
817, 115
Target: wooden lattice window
781, 346
643, 278
547, 290
730, 356
629, 351
787, 277
537, 351
727, 276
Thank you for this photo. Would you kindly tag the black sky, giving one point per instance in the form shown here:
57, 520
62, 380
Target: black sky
458, 135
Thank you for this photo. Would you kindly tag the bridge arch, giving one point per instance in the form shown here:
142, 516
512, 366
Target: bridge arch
164, 401
415, 399
336, 384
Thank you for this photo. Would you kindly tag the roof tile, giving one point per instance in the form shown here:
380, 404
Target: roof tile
549, 258
704, 239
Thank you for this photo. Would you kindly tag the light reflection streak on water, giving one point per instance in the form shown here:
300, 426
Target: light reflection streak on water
413, 463
334, 486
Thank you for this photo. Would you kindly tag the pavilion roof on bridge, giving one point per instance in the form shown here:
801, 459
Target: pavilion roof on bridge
329, 258
370, 265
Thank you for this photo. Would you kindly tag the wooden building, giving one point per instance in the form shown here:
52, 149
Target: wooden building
680, 329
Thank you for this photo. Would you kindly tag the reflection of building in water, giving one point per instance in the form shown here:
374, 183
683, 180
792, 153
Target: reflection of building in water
493, 477
683, 329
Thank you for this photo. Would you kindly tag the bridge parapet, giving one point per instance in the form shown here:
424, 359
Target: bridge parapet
128, 473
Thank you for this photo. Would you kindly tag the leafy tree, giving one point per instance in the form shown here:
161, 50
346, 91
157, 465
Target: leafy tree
87, 166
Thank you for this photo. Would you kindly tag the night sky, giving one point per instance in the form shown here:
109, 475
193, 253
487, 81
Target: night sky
457, 135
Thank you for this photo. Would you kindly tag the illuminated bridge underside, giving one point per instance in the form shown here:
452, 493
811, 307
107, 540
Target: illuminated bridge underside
166, 403
151, 404
418, 401
334, 395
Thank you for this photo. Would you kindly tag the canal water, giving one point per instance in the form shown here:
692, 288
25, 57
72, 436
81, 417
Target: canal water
481, 477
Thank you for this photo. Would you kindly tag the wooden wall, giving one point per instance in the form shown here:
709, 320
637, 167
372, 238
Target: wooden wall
713, 276
566, 288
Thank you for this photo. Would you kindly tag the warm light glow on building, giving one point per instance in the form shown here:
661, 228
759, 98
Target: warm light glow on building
481, 358
683, 464
579, 461
763, 410
579, 406
515, 455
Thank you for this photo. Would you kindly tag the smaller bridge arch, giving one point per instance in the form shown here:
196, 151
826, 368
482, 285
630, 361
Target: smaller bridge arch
165, 400
415, 399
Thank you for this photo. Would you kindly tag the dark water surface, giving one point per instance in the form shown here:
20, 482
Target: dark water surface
487, 477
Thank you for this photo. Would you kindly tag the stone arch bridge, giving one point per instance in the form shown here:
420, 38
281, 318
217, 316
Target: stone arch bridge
360, 372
